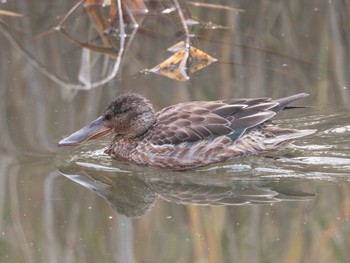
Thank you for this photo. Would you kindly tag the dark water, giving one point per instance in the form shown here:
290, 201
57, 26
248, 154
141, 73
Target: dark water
79, 205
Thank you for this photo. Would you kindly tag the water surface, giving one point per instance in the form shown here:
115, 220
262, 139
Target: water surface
79, 205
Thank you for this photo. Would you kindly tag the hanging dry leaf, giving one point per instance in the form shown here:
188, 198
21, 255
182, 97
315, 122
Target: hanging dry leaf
183, 62
199, 59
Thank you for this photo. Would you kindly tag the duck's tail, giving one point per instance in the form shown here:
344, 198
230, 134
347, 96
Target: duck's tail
270, 137
283, 102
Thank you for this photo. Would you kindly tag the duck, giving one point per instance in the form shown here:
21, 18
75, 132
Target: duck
191, 134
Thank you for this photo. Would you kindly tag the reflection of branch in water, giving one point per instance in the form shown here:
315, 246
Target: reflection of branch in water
133, 195
36, 64
9, 13
121, 13
110, 51
54, 77
183, 62
215, 6
104, 50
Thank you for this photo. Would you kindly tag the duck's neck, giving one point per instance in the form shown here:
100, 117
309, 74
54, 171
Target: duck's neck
121, 147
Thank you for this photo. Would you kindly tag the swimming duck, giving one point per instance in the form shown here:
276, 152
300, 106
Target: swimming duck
189, 134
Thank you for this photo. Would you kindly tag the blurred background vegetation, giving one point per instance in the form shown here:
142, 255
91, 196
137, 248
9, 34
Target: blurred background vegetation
62, 62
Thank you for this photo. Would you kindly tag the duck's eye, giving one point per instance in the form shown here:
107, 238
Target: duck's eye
120, 110
108, 117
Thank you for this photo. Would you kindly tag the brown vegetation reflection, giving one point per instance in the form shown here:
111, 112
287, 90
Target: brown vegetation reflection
63, 61
116, 23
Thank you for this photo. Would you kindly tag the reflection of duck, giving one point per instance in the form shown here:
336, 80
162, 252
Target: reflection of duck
189, 134
126, 194
133, 194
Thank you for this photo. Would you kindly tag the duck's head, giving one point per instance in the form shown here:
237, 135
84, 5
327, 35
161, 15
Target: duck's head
129, 115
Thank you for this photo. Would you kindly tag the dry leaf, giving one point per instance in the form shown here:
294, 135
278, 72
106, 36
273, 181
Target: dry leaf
183, 62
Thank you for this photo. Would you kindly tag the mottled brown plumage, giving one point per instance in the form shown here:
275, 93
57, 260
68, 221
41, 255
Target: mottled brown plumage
189, 134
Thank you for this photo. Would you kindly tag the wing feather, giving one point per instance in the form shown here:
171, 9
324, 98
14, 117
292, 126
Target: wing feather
206, 120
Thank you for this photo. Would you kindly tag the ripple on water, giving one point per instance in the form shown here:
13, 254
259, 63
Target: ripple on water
326, 152
341, 129
318, 160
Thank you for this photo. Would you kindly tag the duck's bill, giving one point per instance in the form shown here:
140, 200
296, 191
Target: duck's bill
94, 130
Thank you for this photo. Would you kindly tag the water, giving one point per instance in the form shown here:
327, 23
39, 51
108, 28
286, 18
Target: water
79, 205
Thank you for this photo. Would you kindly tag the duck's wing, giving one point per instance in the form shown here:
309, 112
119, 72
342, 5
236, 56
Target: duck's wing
205, 120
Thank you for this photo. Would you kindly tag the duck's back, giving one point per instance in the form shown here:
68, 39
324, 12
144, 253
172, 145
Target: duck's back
197, 133
206, 120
